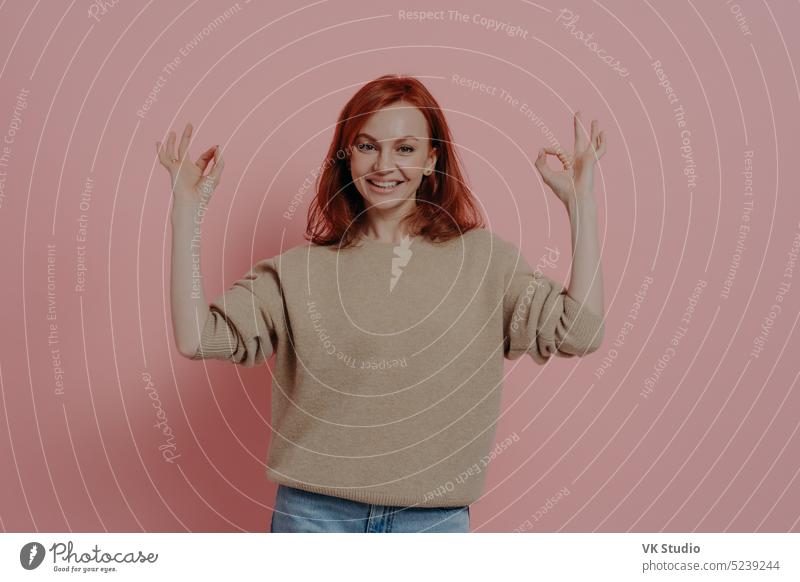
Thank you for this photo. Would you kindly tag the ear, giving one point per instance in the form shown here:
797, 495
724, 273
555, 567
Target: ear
432, 157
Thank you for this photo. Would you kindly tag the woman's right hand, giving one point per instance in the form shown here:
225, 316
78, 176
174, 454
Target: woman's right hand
189, 185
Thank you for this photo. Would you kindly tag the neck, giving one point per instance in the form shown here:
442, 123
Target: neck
384, 225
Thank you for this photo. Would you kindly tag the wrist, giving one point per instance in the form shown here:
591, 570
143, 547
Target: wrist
184, 213
580, 205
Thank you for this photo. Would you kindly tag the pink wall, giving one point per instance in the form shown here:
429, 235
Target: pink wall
713, 447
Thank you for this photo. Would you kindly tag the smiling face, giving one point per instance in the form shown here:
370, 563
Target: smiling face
390, 155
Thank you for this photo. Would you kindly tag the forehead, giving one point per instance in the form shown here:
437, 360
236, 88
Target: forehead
395, 121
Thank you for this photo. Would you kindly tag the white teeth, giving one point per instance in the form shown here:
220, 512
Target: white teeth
384, 184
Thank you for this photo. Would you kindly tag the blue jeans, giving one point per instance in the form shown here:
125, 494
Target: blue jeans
297, 510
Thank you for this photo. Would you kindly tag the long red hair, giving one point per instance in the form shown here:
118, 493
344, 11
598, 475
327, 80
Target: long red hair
445, 206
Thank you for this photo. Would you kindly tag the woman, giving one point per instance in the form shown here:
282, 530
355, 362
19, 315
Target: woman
390, 327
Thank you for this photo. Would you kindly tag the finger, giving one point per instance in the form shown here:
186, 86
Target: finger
554, 151
595, 130
165, 160
170, 151
541, 165
564, 157
202, 161
581, 138
187, 134
160, 153
600, 148
219, 165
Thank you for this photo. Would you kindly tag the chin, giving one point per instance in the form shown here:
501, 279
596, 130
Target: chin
385, 202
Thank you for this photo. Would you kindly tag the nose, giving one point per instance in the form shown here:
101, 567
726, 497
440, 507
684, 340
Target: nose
384, 159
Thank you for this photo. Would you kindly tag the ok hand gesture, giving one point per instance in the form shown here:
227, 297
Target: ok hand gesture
575, 182
189, 186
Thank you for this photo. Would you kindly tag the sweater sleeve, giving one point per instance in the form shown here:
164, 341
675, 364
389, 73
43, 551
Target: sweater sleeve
241, 322
540, 319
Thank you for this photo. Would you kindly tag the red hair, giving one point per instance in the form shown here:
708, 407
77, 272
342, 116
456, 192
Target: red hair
445, 206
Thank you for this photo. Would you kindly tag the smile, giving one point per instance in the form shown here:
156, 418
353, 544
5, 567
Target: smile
382, 186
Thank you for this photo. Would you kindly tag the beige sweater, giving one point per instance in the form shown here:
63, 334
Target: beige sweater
389, 359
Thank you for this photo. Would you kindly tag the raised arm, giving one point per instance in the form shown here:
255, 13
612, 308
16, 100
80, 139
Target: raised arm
574, 186
191, 192
240, 324
542, 318
189, 306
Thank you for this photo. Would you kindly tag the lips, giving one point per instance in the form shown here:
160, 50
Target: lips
383, 186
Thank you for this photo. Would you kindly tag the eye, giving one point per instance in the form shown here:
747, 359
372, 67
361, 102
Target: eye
363, 146
408, 149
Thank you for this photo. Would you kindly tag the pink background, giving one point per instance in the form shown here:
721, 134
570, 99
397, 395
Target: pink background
714, 447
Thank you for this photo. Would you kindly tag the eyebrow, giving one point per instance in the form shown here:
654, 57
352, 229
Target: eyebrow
398, 139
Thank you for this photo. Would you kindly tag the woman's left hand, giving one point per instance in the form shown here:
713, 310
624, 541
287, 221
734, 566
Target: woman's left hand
575, 182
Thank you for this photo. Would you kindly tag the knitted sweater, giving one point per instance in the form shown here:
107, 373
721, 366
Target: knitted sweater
389, 359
